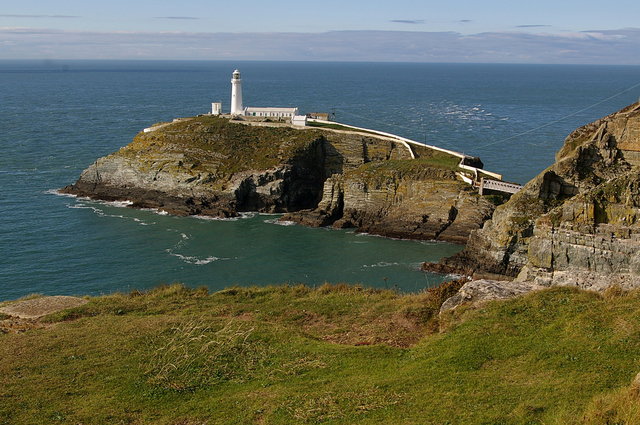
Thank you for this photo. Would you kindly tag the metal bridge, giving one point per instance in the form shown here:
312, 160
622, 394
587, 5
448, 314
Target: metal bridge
500, 186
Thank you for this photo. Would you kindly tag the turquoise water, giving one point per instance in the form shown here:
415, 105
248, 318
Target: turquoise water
57, 117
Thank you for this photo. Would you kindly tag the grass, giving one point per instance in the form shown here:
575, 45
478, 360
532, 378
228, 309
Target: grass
332, 355
214, 145
438, 167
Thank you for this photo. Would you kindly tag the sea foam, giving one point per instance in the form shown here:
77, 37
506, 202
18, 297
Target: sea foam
195, 260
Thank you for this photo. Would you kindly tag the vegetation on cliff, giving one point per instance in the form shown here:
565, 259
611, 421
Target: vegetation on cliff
210, 143
334, 354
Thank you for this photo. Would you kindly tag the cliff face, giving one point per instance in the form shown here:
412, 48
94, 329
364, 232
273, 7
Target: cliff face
577, 222
405, 199
214, 166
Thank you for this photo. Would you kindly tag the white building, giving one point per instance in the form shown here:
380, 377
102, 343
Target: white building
271, 112
216, 108
238, 109
299, 120
236, 94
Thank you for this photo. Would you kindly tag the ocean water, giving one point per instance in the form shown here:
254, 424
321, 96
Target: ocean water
59, 116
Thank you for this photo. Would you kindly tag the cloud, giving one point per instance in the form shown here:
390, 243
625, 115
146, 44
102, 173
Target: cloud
39, 16
465, 21
589, 47
533, 26
177, 17
408, 21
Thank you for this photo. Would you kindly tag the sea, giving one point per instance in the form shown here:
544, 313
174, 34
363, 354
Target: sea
57, 117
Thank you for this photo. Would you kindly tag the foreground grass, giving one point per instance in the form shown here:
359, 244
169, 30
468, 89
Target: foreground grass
335, 355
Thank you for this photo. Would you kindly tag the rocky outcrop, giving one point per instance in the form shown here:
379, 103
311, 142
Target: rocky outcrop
41, 306
220, 167
578, 222
479, 291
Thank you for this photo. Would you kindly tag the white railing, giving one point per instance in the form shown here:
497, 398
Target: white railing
476, 171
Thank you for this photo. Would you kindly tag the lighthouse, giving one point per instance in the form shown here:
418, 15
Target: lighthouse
236, 94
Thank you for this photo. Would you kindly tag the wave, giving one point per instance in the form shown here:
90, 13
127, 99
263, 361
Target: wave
100, 213
117, 204
210, 218
241, 216
195, 260
380, 264
58, 193
280, 222
155, 211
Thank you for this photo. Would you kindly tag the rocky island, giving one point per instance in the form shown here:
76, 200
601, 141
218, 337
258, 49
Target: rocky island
221, 166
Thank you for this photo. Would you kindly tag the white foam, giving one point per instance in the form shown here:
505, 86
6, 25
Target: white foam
155, 211
432, 242
58, 193
100, 213
381, 236
381, 264
241, 216
279, 222
195, 260
209, 218
119, 204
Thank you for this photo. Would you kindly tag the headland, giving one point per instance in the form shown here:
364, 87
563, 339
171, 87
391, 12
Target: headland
320, 175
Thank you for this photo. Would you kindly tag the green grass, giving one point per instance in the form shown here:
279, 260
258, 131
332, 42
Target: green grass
331, 355
438, 167
216, 145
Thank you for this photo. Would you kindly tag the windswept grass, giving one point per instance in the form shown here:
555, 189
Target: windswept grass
336, 354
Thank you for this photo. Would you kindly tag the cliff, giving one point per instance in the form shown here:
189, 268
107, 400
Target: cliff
577, 222
220, 167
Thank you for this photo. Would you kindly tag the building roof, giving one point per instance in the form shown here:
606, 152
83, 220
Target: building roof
258, 109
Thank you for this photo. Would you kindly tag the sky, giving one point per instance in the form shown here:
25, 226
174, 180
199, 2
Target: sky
541, 31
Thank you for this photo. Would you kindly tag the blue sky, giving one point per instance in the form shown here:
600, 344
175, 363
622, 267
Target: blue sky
542, 31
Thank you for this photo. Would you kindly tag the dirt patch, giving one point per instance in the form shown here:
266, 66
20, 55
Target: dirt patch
38, 307
394, 330
16, 325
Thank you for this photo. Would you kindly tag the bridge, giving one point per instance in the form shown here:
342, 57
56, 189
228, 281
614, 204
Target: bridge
500, 186
469, 174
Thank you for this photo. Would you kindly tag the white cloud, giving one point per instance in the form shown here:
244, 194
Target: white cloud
411, 46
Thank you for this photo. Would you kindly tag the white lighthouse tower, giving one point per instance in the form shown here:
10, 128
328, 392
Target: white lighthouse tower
236, 94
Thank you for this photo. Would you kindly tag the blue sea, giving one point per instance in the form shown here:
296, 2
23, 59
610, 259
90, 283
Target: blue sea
56, 117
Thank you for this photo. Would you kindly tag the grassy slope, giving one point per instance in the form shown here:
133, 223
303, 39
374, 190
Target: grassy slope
213, 144
335, 355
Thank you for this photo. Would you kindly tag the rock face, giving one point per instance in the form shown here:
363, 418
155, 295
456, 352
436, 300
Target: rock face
578, 222
404, 200
215, 166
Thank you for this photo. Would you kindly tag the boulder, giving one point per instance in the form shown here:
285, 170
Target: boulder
483, 290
